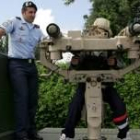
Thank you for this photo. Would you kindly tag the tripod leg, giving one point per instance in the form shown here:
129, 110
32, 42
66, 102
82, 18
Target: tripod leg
93, 101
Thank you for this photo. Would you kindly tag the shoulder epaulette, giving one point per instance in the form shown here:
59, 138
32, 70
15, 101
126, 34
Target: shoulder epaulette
18, 18
36, 26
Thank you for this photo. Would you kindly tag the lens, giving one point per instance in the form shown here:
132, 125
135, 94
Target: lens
53, 30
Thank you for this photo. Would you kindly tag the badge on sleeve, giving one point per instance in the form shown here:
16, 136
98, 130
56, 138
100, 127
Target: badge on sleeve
5, 24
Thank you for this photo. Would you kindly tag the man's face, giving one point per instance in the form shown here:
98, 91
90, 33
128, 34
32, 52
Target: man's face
29, 14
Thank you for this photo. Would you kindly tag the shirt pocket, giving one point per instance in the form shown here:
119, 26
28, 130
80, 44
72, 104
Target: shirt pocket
21, 35
33, 39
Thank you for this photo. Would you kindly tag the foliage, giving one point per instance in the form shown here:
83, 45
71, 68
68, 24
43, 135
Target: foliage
54, 97
130, 91
4, 45
63, 66
119, 12
67, 2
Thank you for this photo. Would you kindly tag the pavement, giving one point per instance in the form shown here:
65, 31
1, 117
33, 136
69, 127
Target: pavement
110, 134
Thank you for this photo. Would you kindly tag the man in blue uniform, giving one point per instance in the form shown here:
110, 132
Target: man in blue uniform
23, 38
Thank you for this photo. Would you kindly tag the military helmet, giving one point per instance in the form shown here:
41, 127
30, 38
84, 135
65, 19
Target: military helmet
103, 24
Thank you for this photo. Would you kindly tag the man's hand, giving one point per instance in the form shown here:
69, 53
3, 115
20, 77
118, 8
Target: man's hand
111, 61
2, 32
75, 60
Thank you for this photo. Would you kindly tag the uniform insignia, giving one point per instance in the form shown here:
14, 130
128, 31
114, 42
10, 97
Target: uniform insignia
20, 39
5, 24
18, 18
36, 26
21, 28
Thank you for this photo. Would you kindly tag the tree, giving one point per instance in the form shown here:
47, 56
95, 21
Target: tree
67, 2
119, 12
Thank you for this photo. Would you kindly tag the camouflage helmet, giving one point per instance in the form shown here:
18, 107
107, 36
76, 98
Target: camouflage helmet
103, 24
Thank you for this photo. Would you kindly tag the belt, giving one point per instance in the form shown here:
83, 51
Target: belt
23, 60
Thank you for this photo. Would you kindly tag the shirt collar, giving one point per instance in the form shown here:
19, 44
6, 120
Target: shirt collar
30, 25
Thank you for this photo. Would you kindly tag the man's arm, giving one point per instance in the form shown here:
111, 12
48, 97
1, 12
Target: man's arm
2, 32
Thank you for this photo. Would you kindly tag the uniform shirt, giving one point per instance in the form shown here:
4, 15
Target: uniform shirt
23, 38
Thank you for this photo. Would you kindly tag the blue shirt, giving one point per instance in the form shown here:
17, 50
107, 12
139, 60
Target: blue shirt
23, 38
